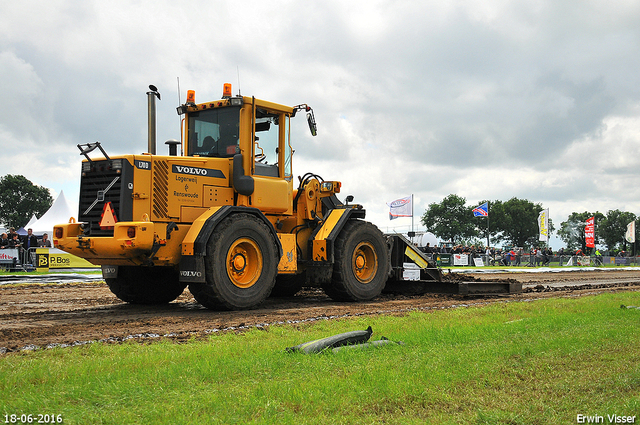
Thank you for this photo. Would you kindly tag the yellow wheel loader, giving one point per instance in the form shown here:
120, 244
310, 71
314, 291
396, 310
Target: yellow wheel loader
222, 214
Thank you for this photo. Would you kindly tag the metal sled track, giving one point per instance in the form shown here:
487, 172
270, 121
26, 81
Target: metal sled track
418, 287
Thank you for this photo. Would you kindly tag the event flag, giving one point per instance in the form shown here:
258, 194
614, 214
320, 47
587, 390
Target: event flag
400, 208
543, 225
630, 236
590, 233
481, 210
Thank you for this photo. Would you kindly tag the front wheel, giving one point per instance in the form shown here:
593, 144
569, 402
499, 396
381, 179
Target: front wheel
146, 285
241, 265
361, 264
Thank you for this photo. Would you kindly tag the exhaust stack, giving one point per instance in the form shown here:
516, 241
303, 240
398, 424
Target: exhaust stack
151, 106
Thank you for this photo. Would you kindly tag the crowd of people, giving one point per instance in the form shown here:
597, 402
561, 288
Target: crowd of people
25, 242
538, 256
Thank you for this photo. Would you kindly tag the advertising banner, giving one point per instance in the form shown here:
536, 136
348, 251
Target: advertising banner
8, 256
590, 233
543, 225
52, 258
460, 260
630, 236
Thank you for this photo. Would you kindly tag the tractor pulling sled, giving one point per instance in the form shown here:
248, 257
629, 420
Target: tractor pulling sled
224, 217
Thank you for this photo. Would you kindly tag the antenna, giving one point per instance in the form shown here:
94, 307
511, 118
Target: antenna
179, 117
238, 69
179, 101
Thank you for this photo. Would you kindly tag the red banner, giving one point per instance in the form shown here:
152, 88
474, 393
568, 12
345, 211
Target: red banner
590, 233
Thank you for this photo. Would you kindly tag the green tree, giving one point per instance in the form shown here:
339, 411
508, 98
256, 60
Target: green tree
20, 199
516, 222
451, 219
572, 230
612, 228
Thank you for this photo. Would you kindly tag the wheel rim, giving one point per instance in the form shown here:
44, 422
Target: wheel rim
364, 262
244, 263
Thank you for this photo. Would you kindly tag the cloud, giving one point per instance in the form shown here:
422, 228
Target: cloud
486, 99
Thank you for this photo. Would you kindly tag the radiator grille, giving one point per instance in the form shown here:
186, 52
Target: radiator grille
99, 186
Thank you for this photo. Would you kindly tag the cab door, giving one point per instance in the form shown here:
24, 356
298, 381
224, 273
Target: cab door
271, 162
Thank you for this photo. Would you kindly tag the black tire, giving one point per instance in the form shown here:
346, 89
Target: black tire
146, 285
287, 285
241, 265
361, 263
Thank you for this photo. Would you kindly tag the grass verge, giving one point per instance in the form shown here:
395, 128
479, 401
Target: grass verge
540, 362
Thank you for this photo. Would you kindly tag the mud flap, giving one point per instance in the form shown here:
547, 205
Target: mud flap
109, 272
192, 269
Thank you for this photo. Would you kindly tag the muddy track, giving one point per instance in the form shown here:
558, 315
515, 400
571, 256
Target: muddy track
36, 316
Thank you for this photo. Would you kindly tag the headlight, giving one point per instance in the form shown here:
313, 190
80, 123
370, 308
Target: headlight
326, 186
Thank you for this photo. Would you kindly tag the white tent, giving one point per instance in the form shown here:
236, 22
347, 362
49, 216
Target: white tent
429, 238
59, 213
23, 230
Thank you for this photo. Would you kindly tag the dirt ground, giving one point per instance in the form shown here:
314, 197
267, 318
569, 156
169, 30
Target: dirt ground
38, 316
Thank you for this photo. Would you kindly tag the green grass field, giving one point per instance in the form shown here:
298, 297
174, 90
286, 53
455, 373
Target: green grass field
538, 362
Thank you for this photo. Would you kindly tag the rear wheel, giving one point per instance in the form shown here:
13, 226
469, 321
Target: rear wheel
146, 285
241, 265
361, 264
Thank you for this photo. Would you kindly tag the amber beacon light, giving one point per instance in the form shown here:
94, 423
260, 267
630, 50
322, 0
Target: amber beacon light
226, 90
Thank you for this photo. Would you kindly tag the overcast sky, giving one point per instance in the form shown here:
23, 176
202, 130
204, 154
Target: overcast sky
487, 99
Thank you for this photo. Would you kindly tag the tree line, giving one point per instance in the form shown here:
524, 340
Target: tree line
20, 200
515, 222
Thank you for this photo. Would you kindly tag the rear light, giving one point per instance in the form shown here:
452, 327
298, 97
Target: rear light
131, 232
57, 232
116, 165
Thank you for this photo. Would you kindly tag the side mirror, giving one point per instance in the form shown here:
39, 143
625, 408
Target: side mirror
312, 123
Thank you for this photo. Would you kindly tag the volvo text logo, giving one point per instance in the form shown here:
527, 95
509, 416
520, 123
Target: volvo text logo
196, 171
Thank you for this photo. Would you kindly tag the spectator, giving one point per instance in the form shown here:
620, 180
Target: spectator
14, 242
4, 241
46, 243
30, 240
539, 256
547, 254
12, 233
519, 254
598, 258
508, 258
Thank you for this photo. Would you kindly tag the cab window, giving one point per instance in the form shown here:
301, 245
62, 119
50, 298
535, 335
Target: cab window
214, 132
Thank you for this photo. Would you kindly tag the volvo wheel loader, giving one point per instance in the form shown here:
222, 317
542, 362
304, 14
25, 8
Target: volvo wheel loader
222, 213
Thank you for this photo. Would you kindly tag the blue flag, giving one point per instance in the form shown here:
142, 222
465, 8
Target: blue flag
482, 210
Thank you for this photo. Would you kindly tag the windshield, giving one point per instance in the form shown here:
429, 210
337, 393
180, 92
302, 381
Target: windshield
214, 132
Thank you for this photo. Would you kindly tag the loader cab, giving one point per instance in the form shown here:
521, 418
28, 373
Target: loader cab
256, 129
